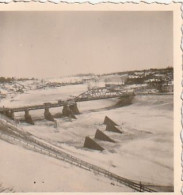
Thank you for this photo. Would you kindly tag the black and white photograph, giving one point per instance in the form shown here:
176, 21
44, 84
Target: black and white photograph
87, 101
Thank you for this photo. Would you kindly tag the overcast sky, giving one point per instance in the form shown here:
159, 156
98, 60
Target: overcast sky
53, 44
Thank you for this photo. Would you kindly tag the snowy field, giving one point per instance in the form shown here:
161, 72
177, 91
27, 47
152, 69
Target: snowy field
143, 152
39, 96
32, 172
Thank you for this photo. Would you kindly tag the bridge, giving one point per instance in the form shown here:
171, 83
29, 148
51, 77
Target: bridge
69, 106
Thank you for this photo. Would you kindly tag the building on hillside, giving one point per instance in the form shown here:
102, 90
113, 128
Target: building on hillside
115, 80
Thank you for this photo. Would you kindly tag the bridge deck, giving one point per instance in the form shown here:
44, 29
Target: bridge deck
61, 103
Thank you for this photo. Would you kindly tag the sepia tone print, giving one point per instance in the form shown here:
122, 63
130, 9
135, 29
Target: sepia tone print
86, 101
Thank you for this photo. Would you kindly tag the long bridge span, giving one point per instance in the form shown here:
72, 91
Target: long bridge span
69, 106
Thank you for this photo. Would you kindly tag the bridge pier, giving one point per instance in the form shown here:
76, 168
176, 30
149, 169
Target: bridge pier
74, 108
28, 118
12, 116
48, 116
68, 112
9, 114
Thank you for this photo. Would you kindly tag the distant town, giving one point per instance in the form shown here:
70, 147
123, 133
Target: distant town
140, 81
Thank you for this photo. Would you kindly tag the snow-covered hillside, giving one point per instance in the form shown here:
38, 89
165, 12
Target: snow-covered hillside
143, 152
23, 170
144, 147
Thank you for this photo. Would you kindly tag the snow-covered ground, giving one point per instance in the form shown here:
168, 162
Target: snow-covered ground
144, 152
39, 96
23, 170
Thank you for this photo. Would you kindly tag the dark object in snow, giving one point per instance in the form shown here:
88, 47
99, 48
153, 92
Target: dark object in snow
74, 108
10, 114
73, 116
68, 112
28, 118
100, 135
111, 127
48, 115
91, 144
107, 120
58, 115
126, 99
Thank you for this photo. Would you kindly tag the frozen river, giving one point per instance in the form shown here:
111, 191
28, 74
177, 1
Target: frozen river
144, 152
40, 96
